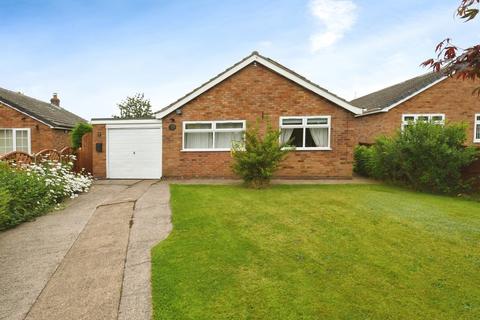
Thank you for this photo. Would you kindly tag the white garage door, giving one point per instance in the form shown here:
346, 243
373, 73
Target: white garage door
134, 152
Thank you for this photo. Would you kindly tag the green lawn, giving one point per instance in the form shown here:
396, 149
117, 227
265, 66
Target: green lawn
317, 252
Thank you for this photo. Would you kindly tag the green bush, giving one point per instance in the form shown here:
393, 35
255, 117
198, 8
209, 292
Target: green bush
28, 191
258, 157
23, 196
362, 156
77, 133
425, 156
5, 199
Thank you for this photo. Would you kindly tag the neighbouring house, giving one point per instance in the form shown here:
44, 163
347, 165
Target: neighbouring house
31, 125
192, 137
430, 97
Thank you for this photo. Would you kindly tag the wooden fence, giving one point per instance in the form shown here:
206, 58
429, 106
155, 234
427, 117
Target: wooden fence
82, 161
84, 154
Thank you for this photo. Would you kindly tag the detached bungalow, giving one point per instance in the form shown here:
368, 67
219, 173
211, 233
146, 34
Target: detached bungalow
31, 125
430, 97
192, 137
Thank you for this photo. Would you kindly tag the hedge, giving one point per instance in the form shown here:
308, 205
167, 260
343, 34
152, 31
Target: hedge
425, 156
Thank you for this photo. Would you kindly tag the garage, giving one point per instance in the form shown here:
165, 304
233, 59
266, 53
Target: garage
134, 150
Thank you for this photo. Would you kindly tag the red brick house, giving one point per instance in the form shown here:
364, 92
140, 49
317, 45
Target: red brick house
30, 125
430, 97
192, 137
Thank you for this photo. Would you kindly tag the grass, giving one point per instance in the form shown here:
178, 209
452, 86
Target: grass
317, 252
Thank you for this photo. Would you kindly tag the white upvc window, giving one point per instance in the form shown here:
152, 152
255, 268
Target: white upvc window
436, 118
12, 139
212, 135
476, 132
306, 133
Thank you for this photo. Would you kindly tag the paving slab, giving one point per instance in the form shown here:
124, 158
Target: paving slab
132, 193
151, 224
121, 182
88, 261
31, 252
87, 284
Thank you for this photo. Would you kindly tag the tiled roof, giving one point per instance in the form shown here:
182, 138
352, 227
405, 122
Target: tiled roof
48, 113
384, 98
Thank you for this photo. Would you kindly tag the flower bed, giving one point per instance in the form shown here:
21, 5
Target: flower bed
27, 191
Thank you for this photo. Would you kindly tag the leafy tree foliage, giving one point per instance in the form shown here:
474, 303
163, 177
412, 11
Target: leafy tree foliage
77, 133
425, 156
136, 107
259, 156
463, 63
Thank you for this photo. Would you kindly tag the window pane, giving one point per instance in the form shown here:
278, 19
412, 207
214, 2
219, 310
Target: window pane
291, 122
229, 125
422, 118
223, 140
478, 131
6, 140
316, 137
293, 136
198, 126
22, 140
437, 118
198, 140
408, 118
317, 121
478, 118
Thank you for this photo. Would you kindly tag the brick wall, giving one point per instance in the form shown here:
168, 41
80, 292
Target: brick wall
252, 92
42, 136
99, 159
452, 97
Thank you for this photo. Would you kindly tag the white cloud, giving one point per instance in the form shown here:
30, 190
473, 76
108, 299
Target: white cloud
336, 17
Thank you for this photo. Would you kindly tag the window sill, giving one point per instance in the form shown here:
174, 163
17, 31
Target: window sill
205, 150
476, 141
308, 149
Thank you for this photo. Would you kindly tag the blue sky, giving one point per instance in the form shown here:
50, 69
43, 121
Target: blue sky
95, 53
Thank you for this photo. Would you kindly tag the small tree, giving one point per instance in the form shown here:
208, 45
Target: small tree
453, 60
258, 157
77, 133
136, 107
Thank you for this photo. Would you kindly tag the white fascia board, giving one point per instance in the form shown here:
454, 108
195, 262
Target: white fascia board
270, 65
28, 115
309, 86
125, 121
369, 113
414, 94
134, 126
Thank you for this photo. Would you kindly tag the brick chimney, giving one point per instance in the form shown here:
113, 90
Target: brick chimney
55, 100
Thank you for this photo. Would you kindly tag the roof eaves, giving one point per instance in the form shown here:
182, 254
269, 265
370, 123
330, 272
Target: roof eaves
205, 83
255, 56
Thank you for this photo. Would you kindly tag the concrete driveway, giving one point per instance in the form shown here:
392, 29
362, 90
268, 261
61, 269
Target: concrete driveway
90, 260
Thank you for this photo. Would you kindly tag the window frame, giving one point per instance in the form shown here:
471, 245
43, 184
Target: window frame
213, 130
14, 137
417, 115
476, 122
304, 126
